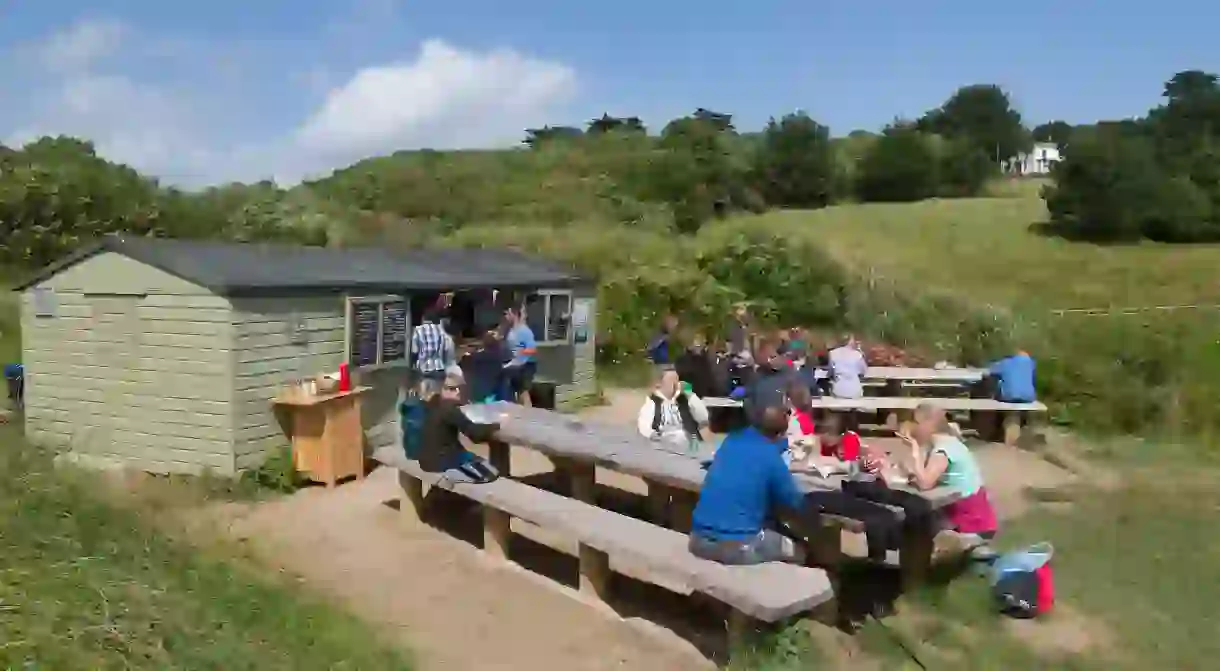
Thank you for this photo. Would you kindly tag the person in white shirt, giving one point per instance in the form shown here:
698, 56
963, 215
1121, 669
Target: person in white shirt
847, 367
671, 413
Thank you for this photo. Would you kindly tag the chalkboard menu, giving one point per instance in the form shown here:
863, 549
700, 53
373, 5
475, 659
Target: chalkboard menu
394, 331
365, 323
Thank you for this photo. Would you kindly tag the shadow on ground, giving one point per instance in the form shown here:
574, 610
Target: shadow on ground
866, 591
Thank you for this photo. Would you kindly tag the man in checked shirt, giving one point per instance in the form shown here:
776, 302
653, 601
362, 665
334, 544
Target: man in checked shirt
431, 347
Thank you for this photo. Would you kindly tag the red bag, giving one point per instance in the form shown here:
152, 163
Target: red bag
1046, 588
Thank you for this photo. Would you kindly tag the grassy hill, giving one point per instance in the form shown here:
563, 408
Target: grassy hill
987, 250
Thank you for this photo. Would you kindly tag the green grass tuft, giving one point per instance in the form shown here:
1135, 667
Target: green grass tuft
87, 584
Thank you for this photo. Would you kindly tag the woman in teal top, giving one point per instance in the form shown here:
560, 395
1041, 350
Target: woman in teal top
940, 459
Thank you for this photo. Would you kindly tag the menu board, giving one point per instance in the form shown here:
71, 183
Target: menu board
365, 322
394, 331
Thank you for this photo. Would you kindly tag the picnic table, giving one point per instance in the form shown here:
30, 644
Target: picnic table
673, 475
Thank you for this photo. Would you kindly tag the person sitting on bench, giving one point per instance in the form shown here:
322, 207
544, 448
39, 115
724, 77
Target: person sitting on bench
671, 413
1015, 375
940, 459
847, 367
440, 449
802, 432
771, 380
747, 485
697, 367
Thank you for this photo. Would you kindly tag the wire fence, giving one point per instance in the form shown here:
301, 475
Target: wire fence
1121, 311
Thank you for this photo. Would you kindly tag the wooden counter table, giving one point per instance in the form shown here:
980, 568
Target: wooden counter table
327, 437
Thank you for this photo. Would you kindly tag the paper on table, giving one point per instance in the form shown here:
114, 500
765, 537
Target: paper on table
821, 466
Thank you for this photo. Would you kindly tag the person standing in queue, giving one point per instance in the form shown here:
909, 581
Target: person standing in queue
660, 349
523, 346
431, 347
739, 334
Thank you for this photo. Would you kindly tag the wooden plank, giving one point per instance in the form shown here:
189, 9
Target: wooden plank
915, 555
497, 531
412, 504
767, 592
875, 403
1012, 428
658, 502
594, 572
500, 455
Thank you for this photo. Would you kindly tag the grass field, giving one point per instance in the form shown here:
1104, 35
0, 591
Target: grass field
984, 250
1136, 577
1136, 574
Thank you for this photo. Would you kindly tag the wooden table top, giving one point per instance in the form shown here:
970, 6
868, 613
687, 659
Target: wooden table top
303, 400
924, 374
622, 449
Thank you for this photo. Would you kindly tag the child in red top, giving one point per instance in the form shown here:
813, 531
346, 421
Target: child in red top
844, 445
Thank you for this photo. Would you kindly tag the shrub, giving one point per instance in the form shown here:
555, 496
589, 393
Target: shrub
796, 164
1105, 188
900, 166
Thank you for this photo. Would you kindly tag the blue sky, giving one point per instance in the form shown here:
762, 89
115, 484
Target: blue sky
206, 92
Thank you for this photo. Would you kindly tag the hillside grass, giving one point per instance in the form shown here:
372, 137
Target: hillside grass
1136, 579
987, 251
1136, 576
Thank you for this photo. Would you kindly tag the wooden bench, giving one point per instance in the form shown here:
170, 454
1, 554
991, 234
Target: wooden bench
983, 411
765, 592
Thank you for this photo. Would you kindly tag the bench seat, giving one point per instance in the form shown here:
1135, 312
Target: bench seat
766, 592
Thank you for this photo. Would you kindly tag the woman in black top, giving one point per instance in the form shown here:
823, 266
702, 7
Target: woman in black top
440, 449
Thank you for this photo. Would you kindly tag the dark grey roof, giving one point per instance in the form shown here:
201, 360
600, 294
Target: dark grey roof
237, 268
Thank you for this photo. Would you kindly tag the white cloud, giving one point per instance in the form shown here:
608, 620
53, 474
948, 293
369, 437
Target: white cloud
446, 97
195, 126
81, 45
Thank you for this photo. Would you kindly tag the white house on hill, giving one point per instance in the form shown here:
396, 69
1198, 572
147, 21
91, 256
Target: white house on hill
1037, 161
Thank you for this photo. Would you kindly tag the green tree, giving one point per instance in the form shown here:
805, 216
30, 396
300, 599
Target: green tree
900, 166
1189, 120
963, 169
983, 114
702, 172
1106, 189
796, 163
56, 193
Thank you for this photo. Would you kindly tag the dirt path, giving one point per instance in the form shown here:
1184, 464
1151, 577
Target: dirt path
458, 609
442, 599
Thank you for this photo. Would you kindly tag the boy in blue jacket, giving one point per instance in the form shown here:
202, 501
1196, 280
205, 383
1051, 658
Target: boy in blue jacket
747, 486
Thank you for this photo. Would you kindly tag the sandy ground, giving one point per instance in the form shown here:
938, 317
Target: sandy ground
458, 609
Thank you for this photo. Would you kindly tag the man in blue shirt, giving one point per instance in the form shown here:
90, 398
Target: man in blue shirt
1016, 378
523, 346
747, 485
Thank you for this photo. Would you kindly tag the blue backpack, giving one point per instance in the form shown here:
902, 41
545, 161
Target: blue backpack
411, 414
